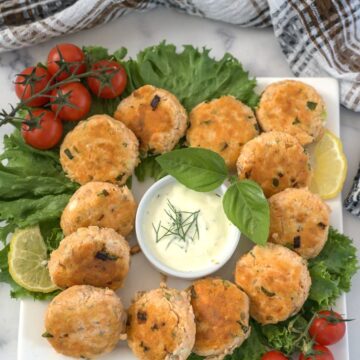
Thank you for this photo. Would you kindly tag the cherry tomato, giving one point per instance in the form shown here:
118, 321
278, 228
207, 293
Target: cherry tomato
76, 94
328, 328
274, 355
108, 84
320, 353
48, 135
23, 91
69, 53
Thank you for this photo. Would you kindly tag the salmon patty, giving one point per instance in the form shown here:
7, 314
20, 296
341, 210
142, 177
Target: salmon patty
221, 315
222, 125
292, 107
100, 204
276, 161
155, 116
277, 281
299, 220
99, 149
161, 325
91, 256
85, 321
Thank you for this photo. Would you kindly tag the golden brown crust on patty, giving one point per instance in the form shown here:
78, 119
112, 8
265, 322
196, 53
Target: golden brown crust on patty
99, 149
92, 256
155, 116
276, 161
100, 204
161, 325
300, 220
276, 280
292, 107
222, 317
223, 125
84, 321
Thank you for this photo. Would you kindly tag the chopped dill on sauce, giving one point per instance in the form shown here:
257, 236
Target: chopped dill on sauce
182, 227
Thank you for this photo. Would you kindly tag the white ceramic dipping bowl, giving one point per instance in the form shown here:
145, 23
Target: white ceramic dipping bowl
231, 244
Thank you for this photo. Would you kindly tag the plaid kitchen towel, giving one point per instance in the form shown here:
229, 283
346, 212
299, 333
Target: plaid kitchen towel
318, 37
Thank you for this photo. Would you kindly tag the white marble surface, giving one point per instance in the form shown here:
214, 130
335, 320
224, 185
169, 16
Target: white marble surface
260, 55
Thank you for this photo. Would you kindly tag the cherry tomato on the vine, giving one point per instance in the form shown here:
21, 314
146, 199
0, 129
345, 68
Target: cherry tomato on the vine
319, 353
69, 53
76, 96
39, 78
49, 132
274, 355
110, 83
327, 328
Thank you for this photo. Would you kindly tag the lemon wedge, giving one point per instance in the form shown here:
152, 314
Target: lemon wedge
28, 261
329, 166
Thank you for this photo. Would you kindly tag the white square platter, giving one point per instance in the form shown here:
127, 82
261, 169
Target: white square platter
31, 346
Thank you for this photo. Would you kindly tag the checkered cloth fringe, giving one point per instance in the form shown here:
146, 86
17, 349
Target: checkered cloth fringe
318, 37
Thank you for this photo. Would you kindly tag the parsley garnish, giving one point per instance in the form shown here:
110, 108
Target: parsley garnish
267, 292
311, 105
68, 154
104, 256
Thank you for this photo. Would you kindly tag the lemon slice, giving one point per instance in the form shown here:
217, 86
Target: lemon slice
330, 166
28, 261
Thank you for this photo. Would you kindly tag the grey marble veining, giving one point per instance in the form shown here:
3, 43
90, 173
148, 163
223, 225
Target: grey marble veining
227, 36
259, 53
14, 62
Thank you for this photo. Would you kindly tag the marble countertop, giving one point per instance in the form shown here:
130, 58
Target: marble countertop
259, 53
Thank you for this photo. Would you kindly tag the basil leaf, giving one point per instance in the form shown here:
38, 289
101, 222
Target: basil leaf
246, 207
198, 169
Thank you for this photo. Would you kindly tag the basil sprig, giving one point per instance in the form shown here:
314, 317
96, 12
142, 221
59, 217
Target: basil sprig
203, 170
247, 208
198, 169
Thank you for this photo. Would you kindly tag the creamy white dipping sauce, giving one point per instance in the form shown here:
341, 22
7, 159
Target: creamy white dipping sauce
208, 227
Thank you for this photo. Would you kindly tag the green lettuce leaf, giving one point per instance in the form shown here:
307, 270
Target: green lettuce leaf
331, 272
15, 186
285, 336
195, 357
15, 141
33, 190
95, 53
252, 348
192, 74
25, 212
324, 289
51, 233
149, 167
29, 172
